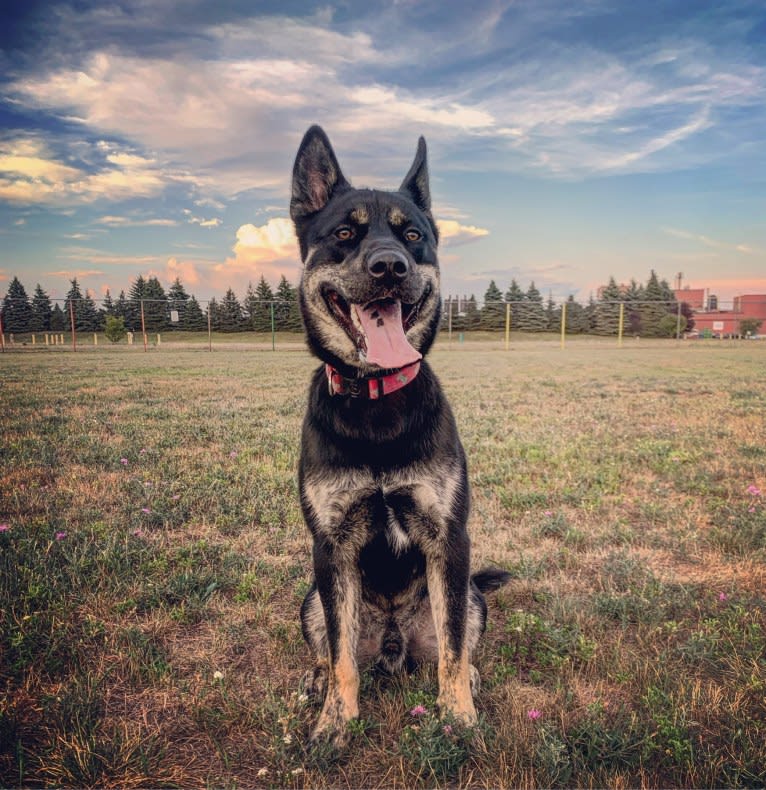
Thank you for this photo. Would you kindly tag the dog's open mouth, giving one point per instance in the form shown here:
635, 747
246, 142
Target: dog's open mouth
378, 328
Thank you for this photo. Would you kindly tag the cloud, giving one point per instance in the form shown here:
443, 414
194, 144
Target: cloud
743, 249
203, 223
186, 271
270, 250
209, 113
452, 233
78, 273
30, 173
123, 222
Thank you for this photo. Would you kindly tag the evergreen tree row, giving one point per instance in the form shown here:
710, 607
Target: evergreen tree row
649, 310
261, 310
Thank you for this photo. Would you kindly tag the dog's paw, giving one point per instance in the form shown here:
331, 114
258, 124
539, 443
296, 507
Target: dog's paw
461, 709
330, 732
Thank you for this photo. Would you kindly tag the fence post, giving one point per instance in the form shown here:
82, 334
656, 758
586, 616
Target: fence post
95, 339
71, 319
209, 330
622, 321
449, 321
507, 325
563, 323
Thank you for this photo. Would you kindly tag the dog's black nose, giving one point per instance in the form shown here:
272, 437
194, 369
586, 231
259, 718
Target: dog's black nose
388, 262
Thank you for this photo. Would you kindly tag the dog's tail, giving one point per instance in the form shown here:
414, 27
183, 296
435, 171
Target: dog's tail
490, 579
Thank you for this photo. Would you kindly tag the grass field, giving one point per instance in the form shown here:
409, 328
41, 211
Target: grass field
153, 560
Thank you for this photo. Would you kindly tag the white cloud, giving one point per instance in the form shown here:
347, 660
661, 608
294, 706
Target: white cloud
203, 223
117, 222
229, 119
452, 233
30, 173
715, 244
270, 249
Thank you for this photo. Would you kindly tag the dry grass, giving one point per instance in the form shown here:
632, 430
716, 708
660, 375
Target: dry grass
156, 642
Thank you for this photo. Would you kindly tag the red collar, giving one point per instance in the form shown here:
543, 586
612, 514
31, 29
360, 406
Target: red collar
372, 388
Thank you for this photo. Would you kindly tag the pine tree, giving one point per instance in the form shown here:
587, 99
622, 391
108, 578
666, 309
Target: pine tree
633, 298
177, 302
121, 307
155, 306
532, 317
493, 312
107, 309
230, 313
83, 308
654, 308
576, 318
260, 318
17, 311
287, 313
133, 304
517, 300
514, 294
250, 305
552, 315
89, 318
213, 314
41, 311
194, 318
606, 317
58, 319
472, 318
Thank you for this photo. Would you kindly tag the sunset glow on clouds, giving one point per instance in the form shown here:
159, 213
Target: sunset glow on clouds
567, 142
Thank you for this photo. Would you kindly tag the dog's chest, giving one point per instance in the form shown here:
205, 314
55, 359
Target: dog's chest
355, 505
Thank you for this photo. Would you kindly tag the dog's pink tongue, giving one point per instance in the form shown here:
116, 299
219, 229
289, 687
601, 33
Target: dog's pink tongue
387, 345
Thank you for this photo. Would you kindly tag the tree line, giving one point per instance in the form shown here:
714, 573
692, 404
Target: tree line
148, 305
649, 310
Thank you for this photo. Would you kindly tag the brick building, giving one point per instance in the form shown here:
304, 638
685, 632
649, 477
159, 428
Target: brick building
708, 319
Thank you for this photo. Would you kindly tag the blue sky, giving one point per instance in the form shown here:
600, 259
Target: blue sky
567, 141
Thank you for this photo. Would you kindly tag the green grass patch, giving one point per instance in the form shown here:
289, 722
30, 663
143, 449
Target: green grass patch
153, 560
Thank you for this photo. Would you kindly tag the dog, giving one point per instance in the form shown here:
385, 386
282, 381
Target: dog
382, 472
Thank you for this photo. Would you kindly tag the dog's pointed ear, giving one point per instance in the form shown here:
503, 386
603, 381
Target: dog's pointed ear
415, 183
316, 174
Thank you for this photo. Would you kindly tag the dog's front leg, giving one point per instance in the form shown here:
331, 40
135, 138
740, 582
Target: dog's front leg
448, 582
437, 525
338, 583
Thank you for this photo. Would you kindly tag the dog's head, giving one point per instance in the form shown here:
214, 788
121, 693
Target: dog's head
369, 292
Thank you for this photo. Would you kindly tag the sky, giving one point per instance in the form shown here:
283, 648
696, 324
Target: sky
568, 142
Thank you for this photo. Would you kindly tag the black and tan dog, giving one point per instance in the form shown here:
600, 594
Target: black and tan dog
382, 475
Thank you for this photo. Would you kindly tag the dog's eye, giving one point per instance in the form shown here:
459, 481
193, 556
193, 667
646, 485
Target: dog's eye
344, 233
413, 235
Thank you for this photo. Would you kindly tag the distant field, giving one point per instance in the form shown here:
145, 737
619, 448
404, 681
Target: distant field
153, 559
